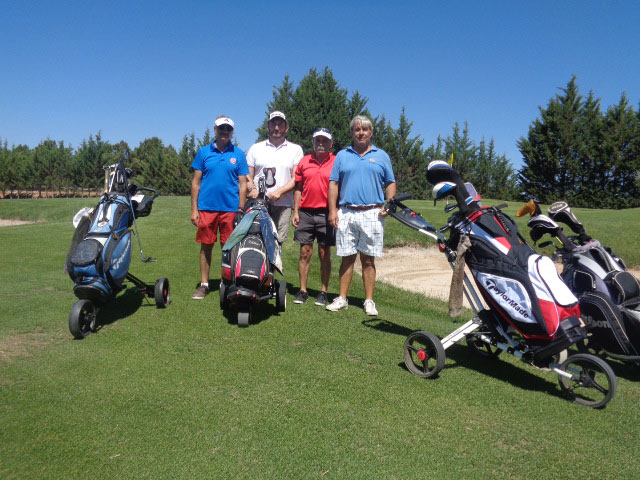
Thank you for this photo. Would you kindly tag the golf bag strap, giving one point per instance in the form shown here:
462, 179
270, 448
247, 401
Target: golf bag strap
456, 290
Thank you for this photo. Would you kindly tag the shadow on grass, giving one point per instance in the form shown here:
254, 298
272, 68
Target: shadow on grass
123, 306
628, 371
517, 375
386, 326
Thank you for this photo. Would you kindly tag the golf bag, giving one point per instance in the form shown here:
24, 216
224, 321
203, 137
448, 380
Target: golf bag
246, 265
527, 311
609, 295
100, 251
250, 257
521, 288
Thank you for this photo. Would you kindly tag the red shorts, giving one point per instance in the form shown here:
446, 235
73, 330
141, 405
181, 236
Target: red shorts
210, 223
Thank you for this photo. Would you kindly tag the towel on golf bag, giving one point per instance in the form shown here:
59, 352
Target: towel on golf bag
456, 290
269, 235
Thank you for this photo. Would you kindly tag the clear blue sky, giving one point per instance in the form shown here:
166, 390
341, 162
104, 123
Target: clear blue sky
137, 69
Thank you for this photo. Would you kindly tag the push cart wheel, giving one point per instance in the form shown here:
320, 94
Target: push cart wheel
424, 354
244, 316
481, 348
281, 296
162, 294
224, 304
592, 381
82, 319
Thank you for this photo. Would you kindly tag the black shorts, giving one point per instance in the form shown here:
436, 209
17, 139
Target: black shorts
314, 224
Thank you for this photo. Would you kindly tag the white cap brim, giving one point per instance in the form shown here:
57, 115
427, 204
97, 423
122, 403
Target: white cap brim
224, 121
323, 134
277, 114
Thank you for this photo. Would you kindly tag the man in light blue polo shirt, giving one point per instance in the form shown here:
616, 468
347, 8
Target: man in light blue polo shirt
218, 192
359, 180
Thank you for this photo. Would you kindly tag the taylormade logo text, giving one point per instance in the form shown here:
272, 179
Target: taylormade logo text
494, 290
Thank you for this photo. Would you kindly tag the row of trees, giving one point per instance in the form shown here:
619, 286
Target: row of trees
318, 100
574, 151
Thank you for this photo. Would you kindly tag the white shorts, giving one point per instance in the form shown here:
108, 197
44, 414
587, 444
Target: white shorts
359, 231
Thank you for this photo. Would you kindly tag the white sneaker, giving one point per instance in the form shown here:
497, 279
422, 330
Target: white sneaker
338, 303
370, 308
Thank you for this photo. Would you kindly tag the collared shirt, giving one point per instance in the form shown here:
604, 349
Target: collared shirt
220, 172
315, 180
362, 179
275, 165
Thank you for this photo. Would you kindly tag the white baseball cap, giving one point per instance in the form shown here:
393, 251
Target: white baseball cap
277, 114
224, 121
322, 132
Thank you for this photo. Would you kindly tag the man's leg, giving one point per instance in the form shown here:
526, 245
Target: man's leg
205, 261
324, 253
206, 236
368, 275
303, 265
281, 216
346, 273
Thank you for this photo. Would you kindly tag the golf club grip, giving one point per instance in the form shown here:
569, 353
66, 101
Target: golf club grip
401, 197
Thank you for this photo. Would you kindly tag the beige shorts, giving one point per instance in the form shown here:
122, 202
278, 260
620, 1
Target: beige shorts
281, 216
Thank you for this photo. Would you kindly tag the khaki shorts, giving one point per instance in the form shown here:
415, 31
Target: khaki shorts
281, 216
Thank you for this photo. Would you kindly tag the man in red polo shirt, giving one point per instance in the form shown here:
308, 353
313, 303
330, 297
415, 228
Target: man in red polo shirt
311, 213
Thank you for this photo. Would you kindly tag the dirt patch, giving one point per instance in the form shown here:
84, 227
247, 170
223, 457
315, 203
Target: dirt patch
415, 269
21, 345
421, 270
10, 223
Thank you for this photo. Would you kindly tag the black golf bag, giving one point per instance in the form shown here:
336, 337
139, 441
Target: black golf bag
609, 295
246, 265
250, 258
521, 287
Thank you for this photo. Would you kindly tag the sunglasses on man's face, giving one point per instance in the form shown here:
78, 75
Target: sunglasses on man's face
225, 128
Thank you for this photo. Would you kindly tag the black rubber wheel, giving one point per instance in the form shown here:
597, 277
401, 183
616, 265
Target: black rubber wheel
244, 316
593, 383
82, 319
224, 304
480, 348
281, 296
162, 293
424, 354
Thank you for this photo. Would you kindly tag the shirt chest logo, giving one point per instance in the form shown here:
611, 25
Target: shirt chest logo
232, 160
372, 160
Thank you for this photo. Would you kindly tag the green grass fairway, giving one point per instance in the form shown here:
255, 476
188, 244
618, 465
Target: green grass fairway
184, 393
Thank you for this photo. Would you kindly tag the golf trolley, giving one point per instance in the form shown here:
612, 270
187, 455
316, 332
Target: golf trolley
100, 252
531, 313
250, 257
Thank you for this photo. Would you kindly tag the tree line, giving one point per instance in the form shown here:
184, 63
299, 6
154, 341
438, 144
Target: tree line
574, 151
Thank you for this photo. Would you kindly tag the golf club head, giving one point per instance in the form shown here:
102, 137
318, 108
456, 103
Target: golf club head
440, 171
561, 212
443, 190
531, 207
541, 224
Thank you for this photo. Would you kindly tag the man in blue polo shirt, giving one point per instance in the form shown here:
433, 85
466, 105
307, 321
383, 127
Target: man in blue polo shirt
218, 192
359, 180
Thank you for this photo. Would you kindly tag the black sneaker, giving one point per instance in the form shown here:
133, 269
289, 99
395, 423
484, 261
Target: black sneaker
321, 299
301, 297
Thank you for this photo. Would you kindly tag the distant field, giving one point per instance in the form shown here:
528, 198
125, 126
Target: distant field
185, 393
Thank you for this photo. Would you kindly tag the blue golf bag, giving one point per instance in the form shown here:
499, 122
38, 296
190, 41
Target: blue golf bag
100, 252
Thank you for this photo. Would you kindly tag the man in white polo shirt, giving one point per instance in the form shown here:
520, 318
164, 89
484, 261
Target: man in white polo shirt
275, 159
